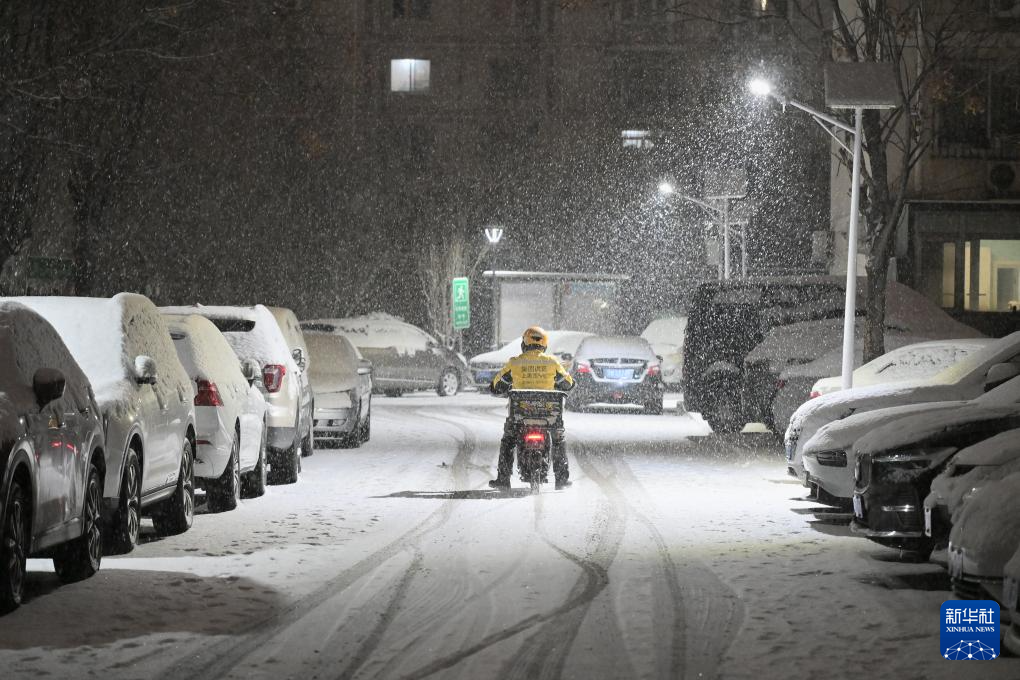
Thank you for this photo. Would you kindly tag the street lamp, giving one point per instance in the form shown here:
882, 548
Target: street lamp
728, 185
857, 86
494, 235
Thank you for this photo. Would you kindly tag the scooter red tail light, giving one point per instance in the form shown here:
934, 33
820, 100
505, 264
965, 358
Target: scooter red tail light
534, 438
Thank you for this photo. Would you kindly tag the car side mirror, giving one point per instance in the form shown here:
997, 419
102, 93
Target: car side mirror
299, 358
145, 370
48, 384
1000, 373
365, 367
251, 371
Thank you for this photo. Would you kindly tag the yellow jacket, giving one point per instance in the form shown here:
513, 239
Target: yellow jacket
532, 370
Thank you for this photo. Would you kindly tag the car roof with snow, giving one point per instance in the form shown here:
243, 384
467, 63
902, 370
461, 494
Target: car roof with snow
252, 332
626, 346
333, 352
203, 350
105, 335
914, 361
375, 331
560, 342
29, 342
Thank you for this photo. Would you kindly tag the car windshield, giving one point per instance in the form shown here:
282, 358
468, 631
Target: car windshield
969, 364
233, 325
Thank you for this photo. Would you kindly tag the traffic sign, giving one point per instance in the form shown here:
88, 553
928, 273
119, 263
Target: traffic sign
460, 303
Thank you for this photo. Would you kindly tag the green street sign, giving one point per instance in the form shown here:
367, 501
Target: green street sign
460, 303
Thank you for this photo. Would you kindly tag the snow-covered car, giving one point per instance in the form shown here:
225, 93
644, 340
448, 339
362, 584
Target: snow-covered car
291, 329
616, 370
404, 357
972, 468
342, 381
51, 456
254, 334
230, 414
985, 537
910, 318
914, 361
145, 396
897, 461
666, 336
980, 371
562, 345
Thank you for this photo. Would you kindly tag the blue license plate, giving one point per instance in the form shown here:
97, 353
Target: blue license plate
618, 373
482, 377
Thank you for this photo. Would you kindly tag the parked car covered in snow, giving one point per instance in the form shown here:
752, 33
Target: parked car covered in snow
254, 334
123, 345
896, 463
342, 381
910, 318
52, 458
562, 345
983, 540
230, 414
666, 336
404, 357
969, 470
291, 329
616, 370
980, 371
914, 361
1010, 604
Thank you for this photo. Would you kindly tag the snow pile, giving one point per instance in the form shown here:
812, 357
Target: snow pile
625, 347
204, 352
560, 342
378, 331
987, 529
28, 343
334, 365
263, 342
666, 331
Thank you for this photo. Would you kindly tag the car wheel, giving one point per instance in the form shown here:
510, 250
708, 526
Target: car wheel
225, 492
254, 483
80, 558
127, 521
307, 445
286, 472
654, 408
14, 548
178, 512
449, 383
365, 431
392, 393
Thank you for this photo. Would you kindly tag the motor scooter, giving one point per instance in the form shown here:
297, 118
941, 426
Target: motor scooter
535, 414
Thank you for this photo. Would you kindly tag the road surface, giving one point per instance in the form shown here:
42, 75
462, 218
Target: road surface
676, 554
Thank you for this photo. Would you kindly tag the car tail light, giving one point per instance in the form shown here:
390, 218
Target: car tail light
815, 394
534, 438
272, 376
582, 367
654, 369
208, 394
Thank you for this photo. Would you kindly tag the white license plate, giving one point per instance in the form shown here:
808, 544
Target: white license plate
618, 373
927, 521
858, 507
789, 452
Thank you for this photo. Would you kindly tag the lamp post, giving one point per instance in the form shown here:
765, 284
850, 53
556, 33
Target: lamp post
856, 86
722, 212
494, 235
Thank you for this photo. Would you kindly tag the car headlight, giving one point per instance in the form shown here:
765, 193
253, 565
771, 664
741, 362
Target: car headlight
833, 458
921, 457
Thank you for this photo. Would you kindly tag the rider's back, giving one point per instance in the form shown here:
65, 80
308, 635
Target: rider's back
534, 370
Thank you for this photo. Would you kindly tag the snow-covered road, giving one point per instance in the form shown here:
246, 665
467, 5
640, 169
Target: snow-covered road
674, 555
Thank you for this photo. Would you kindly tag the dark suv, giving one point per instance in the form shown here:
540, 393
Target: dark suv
727, 319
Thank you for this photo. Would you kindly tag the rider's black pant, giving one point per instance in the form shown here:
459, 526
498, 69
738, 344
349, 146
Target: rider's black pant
505, 467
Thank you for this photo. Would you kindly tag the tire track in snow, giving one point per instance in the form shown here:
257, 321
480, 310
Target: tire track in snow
218, 659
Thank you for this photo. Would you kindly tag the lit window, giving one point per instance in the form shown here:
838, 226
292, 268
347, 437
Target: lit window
769, 8
637, 139
409, 75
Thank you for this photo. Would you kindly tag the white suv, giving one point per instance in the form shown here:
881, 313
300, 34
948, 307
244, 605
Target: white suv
254, 334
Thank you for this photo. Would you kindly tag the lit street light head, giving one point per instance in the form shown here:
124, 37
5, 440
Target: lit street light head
494, 234
665, 188
760, 87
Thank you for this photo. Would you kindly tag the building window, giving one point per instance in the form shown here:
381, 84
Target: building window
409, 75
637, 139
769, 8
412, 9
978, 112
